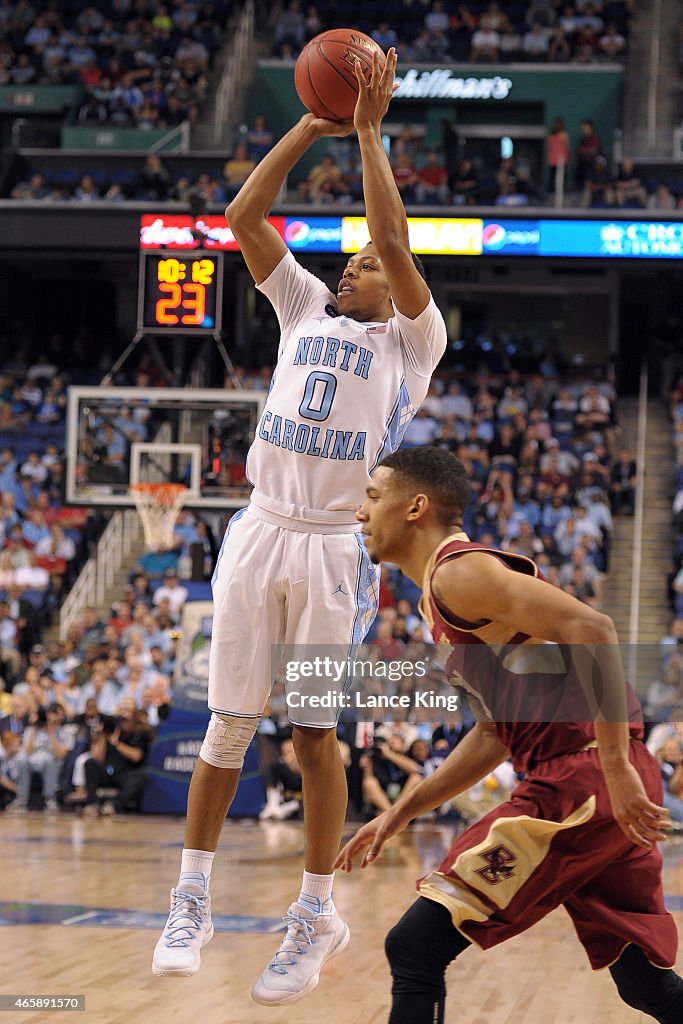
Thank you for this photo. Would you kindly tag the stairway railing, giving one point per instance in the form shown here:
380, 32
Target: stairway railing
634, 616
235, 68
97, 575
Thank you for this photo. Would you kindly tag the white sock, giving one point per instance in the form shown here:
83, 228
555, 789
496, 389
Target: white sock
195, 869
316, 892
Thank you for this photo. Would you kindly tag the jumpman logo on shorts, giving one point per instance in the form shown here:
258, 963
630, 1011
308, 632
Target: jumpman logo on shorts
340, 589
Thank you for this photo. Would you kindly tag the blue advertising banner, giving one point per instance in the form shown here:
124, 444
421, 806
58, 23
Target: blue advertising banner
467, 236
171, 762
641, 239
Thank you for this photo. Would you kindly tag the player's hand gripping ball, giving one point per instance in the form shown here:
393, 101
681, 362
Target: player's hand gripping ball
325, 76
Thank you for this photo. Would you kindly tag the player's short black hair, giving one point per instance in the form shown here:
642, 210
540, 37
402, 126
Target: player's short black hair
436, 472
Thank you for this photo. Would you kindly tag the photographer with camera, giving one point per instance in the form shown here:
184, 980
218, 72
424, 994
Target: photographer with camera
388, 772
118, 760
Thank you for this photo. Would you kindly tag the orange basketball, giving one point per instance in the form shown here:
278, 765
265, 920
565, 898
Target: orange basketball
324, 75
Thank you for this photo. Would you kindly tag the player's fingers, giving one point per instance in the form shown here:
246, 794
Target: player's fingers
375, 848
360, 77
350, 852
634, 835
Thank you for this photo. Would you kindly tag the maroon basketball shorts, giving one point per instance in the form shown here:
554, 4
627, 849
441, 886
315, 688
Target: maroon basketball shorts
555, 842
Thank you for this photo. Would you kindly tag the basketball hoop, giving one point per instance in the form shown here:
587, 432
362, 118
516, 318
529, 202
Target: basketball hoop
158, 506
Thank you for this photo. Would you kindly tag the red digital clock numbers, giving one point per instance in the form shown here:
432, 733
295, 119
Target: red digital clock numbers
179, 293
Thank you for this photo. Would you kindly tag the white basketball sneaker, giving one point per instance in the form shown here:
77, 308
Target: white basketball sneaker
294, 971
187, 929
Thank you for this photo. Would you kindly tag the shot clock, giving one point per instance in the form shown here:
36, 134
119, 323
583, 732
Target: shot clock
180, 293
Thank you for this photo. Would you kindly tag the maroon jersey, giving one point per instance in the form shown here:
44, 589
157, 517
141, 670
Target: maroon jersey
528, 688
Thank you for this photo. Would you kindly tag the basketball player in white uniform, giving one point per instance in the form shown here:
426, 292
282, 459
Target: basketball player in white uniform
352, 370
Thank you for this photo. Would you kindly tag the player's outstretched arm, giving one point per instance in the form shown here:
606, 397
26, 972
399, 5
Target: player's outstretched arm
384, 208
247, 214
472, 760
478, 588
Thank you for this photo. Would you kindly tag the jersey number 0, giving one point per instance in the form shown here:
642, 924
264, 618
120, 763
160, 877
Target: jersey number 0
317, 400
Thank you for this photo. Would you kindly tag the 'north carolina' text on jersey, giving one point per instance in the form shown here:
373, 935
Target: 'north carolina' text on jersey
342, 394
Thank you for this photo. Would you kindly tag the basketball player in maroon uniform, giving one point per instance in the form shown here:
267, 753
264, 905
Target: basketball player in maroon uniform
543, 675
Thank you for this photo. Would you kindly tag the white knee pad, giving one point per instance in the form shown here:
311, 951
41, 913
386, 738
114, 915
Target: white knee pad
227, 739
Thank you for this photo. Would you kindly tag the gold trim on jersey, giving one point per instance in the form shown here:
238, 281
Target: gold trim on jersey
499, 865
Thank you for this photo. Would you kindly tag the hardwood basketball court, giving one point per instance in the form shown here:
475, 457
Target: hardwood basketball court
85, 872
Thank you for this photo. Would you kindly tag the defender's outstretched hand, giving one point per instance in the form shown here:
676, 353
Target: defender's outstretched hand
374, 96
373, 836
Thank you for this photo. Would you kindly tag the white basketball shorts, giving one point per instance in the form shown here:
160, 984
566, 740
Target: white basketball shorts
299, 579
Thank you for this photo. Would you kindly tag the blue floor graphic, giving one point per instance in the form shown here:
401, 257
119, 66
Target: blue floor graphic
74, 915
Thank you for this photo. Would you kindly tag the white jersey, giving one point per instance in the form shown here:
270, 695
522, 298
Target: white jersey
342, 394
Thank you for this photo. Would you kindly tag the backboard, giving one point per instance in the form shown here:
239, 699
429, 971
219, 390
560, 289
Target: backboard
197, 437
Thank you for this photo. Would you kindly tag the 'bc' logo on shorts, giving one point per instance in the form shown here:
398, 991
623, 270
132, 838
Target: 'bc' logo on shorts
499, 865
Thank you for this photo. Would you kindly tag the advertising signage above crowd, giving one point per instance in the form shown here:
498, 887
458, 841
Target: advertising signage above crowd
436, 236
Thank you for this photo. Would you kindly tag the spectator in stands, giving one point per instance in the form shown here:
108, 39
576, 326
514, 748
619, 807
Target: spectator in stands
462, 25
290, 30
10, 757
559, 46
236, 171
325, 177
493, 18
313, 25
35, 188
101, 689
23, 71
612, 44
385, 36
45, 743
173, 592
86, 191
485, 45
191, 51
121, 764
284, 786
464, 184
10, 658
154, 179
512, 186
662, 198
630, 191
406, 178
558, 152
670, 757
666, 693
388, 772
259, 138
588, 147
623, 485
542, 11
432, 187
670, 642
535, 42
598, 185
155, 563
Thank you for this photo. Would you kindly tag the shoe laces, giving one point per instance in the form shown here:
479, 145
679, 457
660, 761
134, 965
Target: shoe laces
300, 932
185, 920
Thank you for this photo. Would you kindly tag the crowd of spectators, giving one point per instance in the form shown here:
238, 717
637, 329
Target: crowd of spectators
141, 65
583, 31
42, 542
84, 709
151, 179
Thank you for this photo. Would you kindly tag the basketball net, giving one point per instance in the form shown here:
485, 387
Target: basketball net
158, 506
